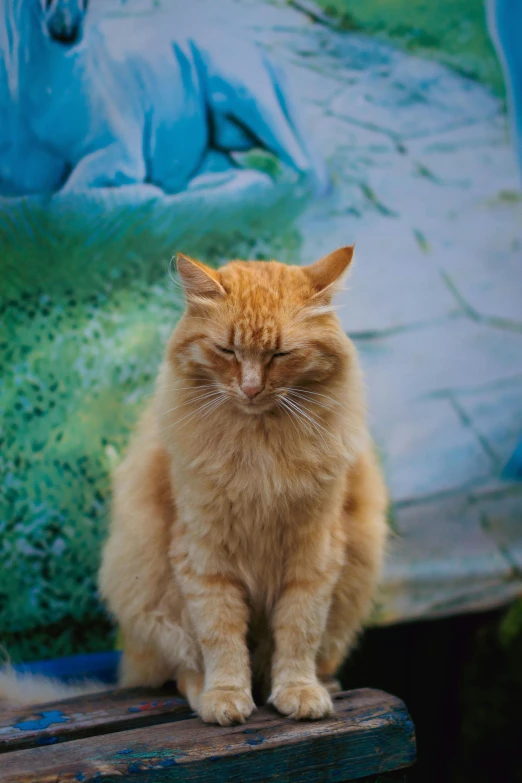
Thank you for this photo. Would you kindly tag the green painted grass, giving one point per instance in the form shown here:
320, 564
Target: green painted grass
451, 31
83, 324
78, 354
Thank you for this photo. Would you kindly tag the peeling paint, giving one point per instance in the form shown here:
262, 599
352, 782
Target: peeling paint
154, 705
42, 720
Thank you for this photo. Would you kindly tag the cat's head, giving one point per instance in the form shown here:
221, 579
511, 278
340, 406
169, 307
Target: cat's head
259, 334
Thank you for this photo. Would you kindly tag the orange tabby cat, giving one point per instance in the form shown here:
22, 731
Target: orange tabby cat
248, 522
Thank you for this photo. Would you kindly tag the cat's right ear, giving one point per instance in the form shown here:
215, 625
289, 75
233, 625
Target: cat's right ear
201, 283
327, 273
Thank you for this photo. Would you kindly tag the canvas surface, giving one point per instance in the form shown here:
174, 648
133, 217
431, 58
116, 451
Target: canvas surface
257, 129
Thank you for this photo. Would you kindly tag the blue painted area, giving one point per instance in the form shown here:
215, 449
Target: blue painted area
97, 666
169, 762
156, 106
80, 777
43, 721
46, 740
505, 24
513, 469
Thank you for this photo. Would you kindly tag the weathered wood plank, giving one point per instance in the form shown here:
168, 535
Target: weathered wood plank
86, 716
369, 733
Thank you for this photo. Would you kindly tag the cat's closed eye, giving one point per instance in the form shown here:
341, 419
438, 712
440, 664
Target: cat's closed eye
230, 351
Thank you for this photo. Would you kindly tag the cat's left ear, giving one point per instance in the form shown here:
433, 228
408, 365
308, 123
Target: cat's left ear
200, 282
326, 274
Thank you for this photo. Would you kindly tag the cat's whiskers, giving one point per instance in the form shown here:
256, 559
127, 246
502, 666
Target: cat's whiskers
302, 393
318, 428
217, 405
316, 394
209, 407
313, 421
307, 420
285, 393
183, 388
191, 400
191, 415
191, 388
293, 416
302, 396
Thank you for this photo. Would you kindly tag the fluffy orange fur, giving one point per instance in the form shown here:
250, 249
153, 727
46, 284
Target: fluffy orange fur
248, 523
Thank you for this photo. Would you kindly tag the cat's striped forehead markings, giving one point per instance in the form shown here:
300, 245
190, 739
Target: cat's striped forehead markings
259, 296
257, 327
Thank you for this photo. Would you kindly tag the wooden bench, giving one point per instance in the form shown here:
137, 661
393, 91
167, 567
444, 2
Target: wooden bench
153, 737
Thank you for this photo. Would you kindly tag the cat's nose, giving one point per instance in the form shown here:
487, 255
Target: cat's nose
252, 389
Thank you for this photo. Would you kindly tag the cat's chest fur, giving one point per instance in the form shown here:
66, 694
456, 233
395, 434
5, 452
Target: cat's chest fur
246, 502
254, 480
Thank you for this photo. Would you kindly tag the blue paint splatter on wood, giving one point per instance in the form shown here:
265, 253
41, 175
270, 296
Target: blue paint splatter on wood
46, 740
42, 721
253, 741
169, 762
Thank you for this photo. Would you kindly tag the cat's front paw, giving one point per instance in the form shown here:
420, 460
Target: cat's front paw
302, 702
226, 706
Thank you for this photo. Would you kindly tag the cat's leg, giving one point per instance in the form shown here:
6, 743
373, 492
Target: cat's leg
190, 684
135, 578
218, 610
298, 623
141, 593
364, 520
318, 617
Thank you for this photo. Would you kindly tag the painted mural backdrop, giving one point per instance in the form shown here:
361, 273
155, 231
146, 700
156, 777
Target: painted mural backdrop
259, 128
